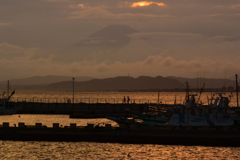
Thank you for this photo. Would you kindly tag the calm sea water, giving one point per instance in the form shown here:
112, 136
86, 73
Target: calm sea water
89, 150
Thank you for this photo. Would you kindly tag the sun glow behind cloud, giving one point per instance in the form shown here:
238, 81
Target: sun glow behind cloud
146, 3
80, 5
76, 6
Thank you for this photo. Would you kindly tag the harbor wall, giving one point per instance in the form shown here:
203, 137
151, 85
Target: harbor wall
97, 110
92, 133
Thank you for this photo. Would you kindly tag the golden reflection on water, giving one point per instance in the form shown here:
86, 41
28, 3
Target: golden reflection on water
85, 150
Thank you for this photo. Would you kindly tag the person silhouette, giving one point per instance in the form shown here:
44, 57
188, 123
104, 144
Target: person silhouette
128, 99
124, 99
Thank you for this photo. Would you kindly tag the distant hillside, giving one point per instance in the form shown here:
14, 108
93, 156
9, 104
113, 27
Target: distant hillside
118, 83
37, 80
142, 83
209, 82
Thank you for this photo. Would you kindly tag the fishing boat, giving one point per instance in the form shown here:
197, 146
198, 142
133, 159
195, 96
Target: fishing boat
219, 113
125, 121
128, 121
160, 118
5, 108
189, 114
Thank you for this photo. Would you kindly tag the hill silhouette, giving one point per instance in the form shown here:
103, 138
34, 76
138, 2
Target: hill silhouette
209, 82
118, 84
121, 83
41, 80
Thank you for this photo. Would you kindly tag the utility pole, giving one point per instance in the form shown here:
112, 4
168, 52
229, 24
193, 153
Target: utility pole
73, 91
236, 76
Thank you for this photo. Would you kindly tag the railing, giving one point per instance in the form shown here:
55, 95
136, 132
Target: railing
91, 100
103, 100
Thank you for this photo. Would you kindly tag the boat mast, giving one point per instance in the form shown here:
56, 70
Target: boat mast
187, 93
201, 90
7, 88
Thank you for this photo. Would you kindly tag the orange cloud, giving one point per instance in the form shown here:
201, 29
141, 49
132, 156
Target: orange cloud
235, 6
76, 6
146, 3
80, 5
4, 24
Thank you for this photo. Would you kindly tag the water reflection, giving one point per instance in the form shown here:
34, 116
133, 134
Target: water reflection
85, 150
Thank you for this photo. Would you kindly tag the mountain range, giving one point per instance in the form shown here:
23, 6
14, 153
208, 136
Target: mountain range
42, 80
101, 46
121, 83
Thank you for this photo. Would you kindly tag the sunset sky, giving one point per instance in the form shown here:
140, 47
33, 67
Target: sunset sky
186, 38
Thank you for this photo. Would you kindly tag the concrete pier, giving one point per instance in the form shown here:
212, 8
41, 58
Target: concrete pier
79, 110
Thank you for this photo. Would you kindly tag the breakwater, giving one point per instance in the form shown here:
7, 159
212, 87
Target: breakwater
91, 133
79, 110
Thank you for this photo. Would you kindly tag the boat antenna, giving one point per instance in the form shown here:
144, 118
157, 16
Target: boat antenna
187, 93
201, 90
9, 97
208, 100
7, 88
